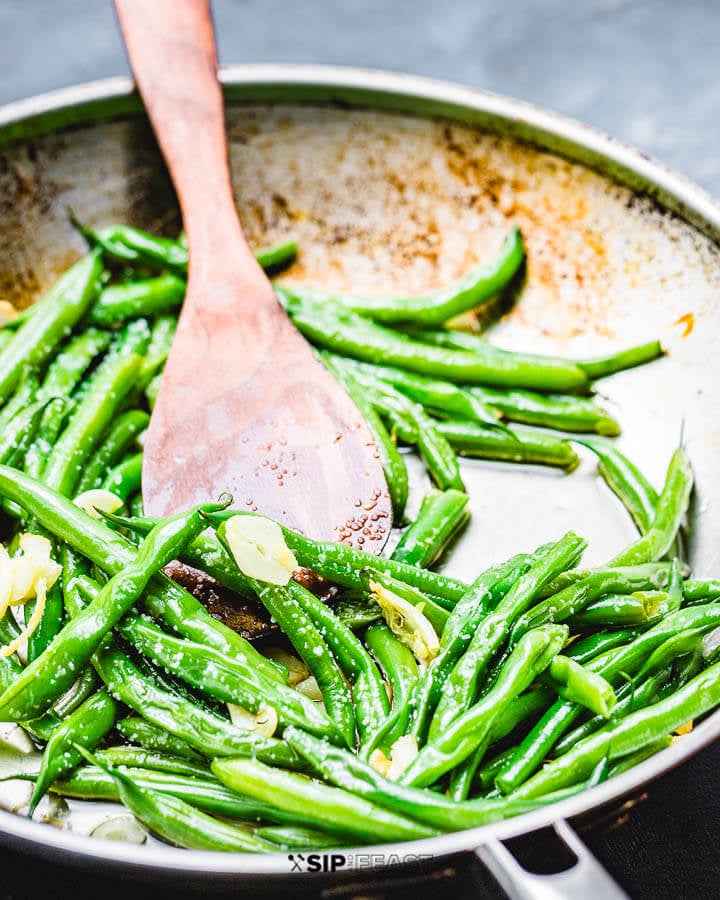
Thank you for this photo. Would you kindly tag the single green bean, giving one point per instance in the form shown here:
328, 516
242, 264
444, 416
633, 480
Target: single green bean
518, 445
442, 514
559, 411
119, 438
126, 477
468, 292
147, 297
575, 683
87, 725
395, 659
671, 508
334, 810
392, 462
623, 359
153, 738
351, 335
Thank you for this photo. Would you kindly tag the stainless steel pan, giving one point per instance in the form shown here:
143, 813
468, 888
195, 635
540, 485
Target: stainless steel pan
395, 181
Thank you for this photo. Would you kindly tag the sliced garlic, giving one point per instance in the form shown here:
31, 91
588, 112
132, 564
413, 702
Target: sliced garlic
311, 689
98, 499
259, 549
297, 670
407, 623
263, 722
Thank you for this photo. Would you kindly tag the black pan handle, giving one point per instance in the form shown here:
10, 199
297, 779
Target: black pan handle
584, 878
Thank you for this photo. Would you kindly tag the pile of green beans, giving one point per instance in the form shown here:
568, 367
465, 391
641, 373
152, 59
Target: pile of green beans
529, 684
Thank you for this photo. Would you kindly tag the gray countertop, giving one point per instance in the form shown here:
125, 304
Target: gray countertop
645, 71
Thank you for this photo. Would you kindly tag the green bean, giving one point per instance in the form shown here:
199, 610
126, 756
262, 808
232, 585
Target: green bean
152, 389
349, 334
277, 256
634, 759
575, 683
153, 738
559, 411
368, 688
472, 727
54, 671
620, 610
73, 361
21, 429
26, 392
205, 731
348, 772
626, 481
213, 673
139, 758
177, 821
395, 659
334, 810
87, 725
518, 445
485, 592
37, 338
574, 598
356, 611
626, 658
92, 783
442, 514
147, 297
434, 395
113, 553
633, 695
287, 837
629, 735
672, 505
593, 368
82, 688
127, 244
701, 590
50, 623
110, 387
624, 359
492, 632
118, 440
392, 462
586, 648
312, 649
125, 478
161, 338
468, 292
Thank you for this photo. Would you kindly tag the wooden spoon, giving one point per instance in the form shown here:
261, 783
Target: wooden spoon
245, 406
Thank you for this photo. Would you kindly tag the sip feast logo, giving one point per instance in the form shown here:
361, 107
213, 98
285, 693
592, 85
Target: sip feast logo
333, 862
316, 862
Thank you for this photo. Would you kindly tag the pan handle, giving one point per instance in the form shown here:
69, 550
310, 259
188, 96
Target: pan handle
586, 878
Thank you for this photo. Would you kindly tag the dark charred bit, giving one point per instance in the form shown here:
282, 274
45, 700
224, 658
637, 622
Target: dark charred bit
322, 588
245, 616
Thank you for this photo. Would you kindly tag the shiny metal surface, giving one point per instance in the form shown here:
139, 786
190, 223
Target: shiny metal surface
392, 181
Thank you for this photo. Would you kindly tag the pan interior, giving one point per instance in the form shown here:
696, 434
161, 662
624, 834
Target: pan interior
384, 203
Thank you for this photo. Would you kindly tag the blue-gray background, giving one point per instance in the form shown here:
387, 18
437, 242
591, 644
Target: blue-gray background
647, 71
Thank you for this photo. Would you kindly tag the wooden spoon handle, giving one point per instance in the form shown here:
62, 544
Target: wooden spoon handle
171, 47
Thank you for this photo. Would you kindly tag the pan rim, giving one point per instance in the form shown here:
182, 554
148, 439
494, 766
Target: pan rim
427, 98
